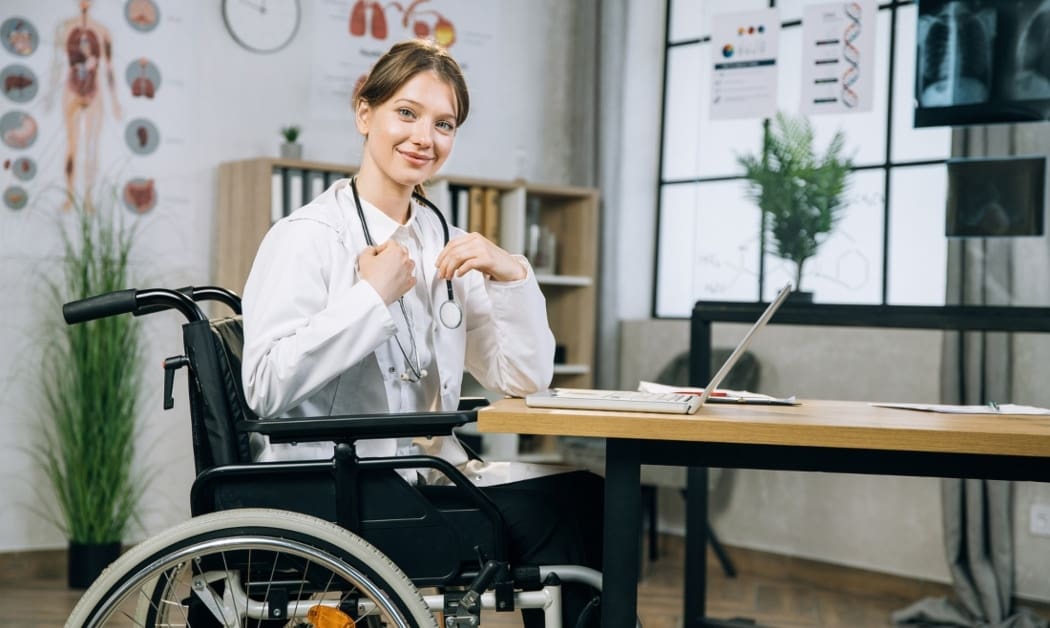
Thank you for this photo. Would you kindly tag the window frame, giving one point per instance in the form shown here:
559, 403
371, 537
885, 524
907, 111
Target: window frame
888, 164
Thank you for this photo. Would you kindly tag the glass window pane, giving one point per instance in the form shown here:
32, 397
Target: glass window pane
708, 247
910, 143
683, 112
686, 20
918, 250
848, 265
865, 131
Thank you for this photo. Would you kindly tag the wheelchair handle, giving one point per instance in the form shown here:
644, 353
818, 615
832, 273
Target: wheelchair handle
130, 301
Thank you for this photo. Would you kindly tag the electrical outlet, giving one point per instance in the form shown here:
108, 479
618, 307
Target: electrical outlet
1039, 519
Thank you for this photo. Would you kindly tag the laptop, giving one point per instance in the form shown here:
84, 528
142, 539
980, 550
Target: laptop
670, 402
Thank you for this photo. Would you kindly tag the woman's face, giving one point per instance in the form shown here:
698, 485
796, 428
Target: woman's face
410, 135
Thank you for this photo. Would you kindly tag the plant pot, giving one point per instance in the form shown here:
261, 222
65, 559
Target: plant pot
800, 296
291, 150
87, 560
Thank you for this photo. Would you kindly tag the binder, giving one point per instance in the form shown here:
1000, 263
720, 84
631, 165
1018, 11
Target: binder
476, 210
276, 195
491, 222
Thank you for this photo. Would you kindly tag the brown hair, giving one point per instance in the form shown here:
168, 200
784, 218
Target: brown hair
403, 62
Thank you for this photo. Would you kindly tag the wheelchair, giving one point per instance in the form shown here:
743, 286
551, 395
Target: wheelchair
329, 543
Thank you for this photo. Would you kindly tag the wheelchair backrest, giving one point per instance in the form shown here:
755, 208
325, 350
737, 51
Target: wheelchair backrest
217, 404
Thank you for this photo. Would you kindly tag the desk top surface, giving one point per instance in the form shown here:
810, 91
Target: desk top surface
837, 424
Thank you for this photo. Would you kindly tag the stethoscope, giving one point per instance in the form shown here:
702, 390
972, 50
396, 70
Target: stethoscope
449, 313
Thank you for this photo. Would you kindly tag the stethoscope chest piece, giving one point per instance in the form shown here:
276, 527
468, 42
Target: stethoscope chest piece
451, 314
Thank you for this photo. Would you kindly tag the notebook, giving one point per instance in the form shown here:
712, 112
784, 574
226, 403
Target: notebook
670, 402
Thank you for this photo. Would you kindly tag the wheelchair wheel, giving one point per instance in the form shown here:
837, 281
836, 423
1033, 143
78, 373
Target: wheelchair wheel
252, 567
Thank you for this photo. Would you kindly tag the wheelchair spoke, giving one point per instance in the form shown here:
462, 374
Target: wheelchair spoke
251, 573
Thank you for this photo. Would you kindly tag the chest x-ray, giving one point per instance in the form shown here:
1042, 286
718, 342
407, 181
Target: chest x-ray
1032, 55
955, 55
982, 61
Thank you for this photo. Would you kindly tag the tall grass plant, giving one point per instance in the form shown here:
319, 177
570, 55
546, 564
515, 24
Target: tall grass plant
91, 383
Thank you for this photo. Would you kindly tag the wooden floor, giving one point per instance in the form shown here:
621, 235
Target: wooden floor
769, 589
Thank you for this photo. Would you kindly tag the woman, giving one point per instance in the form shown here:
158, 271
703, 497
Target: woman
346, 311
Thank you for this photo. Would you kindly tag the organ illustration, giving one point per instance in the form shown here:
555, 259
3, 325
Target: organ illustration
19, 36
84, 48
143, 15
18, 129
371, 18
23, 168
15, 197
19, 83
141, 136
143, 78
140, 195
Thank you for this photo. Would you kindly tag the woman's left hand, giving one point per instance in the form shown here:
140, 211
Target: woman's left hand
474, 252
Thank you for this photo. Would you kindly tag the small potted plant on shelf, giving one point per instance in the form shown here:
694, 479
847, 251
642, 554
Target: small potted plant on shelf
90, 378
800, 192
291, 148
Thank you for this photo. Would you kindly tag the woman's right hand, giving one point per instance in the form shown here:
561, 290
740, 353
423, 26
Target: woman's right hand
388, 268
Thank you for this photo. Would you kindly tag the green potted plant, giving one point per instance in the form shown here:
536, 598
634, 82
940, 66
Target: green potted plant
801, 192
90, 383
291, 148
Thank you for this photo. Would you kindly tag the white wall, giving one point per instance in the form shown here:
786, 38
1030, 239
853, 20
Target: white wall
525, 123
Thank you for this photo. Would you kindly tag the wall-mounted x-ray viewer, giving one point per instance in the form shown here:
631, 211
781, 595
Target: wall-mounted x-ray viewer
982, 61
996, 197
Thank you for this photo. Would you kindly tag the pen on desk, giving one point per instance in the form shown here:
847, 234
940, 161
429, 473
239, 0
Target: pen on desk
715, 393
994, 406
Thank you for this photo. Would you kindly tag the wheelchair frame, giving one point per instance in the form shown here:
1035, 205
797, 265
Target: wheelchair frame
349, 503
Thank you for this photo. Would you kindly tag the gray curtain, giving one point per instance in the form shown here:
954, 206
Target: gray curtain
978, 368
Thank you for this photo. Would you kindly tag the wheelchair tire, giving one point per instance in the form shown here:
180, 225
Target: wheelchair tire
280, 556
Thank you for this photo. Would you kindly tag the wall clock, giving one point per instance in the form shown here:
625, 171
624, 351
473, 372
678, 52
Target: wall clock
261, 25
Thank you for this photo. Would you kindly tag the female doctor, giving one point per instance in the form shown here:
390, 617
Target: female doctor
364, 301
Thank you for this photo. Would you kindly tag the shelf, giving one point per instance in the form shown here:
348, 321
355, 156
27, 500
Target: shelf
564, 280
253, 193
571, 369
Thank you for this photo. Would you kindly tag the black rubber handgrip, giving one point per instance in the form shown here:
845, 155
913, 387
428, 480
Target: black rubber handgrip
101, 306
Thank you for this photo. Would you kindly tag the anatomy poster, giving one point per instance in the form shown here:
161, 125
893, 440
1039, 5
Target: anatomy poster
838, 57
744, 78
94, 103
350, 35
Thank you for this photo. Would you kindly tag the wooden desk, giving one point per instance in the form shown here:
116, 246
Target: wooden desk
833, 436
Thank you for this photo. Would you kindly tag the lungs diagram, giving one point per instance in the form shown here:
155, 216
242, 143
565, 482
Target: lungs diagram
376, 20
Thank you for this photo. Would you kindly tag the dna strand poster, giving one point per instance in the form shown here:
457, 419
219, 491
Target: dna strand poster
838, 57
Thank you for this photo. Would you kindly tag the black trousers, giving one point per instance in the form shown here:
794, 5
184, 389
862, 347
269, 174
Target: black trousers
554, 520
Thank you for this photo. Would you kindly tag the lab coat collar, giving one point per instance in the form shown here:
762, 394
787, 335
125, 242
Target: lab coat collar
381, 226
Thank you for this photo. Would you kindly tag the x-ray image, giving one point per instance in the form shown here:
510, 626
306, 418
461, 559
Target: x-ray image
1032, 55
996, 197
955, 55
982, 61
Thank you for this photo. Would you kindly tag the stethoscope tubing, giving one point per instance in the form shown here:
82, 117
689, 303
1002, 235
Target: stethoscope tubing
445, 231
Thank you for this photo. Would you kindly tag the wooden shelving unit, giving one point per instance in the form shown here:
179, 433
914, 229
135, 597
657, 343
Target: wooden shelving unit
253, 193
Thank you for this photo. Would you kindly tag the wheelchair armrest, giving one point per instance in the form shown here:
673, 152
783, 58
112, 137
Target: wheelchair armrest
472, 403
356, 427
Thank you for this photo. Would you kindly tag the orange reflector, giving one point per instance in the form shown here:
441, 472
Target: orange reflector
328, 617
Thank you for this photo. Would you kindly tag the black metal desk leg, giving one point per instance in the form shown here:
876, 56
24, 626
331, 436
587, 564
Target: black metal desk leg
621, 555
696, 548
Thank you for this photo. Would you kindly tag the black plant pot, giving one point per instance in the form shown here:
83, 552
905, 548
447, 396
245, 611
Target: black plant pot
800, 296
87, 560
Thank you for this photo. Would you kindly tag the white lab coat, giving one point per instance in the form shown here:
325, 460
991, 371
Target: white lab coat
312, 331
